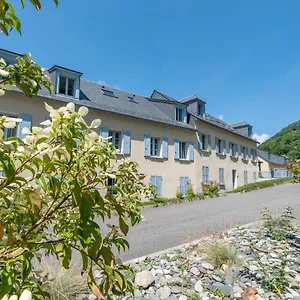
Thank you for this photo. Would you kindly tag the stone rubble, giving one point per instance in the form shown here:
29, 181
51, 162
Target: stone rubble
187, 273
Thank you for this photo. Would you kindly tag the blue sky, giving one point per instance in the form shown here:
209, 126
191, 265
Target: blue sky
241, 57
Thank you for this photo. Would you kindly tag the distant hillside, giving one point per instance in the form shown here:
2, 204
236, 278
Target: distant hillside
285, 142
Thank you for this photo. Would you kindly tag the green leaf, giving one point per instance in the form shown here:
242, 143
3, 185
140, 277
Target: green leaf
123, 225
93, 286
8, 167
85, 207
7, 280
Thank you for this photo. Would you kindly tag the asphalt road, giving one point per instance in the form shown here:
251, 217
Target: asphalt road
172, 225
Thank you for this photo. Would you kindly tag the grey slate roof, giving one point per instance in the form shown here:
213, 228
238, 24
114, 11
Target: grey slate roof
274, 159
91, 96
191, 98
240, 124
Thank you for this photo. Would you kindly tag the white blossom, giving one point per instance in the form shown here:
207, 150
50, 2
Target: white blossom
2, 92
14, 297
62, 109
96, 123
26, 130
83, 111
26, 295
46, 123
55, 114
71, 107
36, 130
4, 73
5, 297
33, 82
42, 146
48, 107
9, 124
28, 139
46, 132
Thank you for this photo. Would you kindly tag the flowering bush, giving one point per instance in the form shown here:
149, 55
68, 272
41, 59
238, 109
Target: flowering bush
52, 192
211, 189
26, 295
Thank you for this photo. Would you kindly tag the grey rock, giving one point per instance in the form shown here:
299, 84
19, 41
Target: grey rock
183, 297
176, 290
195, 271
164, 292
207, 266
137, 293
163, 280
176, 280
228, 280
92, 297
82, 297
143, 279
172, 298
227, 290
216, 278
198, 286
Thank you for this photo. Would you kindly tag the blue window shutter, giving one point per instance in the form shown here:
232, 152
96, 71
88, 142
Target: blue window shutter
220, 179
199, 137
207, 175
26, 122
153, 182
224, 147
209, 143
176, 149
191, 151
104, 132
230, 148
217, 145
147, 140
182, 183
165, 147
159, 185
126, 142
203, 174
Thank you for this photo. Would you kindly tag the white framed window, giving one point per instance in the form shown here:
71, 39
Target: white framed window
66, 86
116, 139
155, 146
179, 115
182, 150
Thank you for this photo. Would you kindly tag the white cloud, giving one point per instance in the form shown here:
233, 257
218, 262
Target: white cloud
221, 117
103, 82
261, 137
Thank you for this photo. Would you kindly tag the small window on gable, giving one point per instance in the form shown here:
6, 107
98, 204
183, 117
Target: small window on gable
109, 93
179, 114
66, 86
132, 99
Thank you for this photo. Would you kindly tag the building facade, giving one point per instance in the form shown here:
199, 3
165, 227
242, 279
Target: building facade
175, 142
271, 165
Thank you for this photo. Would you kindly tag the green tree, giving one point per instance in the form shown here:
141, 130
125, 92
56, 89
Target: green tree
25, 74
53, 188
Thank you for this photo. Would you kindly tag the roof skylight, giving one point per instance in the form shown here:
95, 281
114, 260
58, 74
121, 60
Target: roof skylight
132, 99
109, 93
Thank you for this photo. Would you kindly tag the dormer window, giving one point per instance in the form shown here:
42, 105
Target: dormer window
179, 114
109, 93
66, 81
66, 86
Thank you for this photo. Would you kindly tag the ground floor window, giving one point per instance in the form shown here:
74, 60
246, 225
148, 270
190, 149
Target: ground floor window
156, 181
221, 176
245, 177
205, 175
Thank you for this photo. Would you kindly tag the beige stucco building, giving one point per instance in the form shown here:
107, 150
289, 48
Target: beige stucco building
175, 142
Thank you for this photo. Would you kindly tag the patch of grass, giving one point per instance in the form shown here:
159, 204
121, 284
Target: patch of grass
194, 296
261, 185
63, 284
278, 227
219, 293
219, 252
